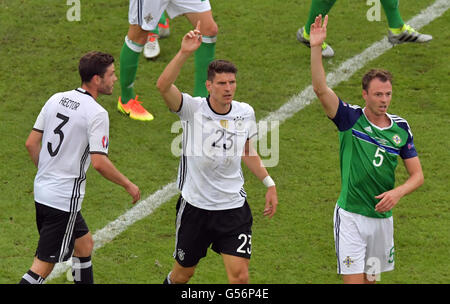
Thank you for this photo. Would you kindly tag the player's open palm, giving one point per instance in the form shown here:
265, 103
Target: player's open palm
318, 32
192, 40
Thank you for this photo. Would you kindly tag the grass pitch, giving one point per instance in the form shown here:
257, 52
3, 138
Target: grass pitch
39, 54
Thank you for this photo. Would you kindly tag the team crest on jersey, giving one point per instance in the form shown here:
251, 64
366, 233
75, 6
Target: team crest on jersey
148, 18
181, 254
397, 139
239, 122
105, 142
224, 123
348, 261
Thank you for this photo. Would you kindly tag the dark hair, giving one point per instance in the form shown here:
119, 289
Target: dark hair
94, 63
382, 75
220, 66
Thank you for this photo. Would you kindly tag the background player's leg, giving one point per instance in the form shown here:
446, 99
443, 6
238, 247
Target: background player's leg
392, 13
151, 47
237, 269
318, 7
129, 58
207, 50
399, 32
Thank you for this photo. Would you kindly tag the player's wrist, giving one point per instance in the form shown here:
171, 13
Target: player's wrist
268, 181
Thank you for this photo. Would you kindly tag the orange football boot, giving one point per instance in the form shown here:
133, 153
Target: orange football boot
134, 109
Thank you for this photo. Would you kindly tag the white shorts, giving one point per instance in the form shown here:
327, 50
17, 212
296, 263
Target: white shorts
363, 244
147, 13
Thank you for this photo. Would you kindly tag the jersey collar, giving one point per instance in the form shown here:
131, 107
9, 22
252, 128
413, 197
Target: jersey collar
209, 105
83, 91
374, 125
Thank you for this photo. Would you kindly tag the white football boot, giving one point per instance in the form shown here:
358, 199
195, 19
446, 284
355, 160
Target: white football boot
408, 34
151, 47
303, 37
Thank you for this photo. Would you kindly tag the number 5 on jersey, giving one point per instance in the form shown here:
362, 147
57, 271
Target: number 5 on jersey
378, 157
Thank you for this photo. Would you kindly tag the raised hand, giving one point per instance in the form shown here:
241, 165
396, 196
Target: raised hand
192, 40
318, 32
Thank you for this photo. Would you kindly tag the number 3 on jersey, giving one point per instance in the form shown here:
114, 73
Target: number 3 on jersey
378, 157
58, 131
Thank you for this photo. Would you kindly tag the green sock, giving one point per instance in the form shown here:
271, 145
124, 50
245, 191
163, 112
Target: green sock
162, 20
318, 7
203, 56
392, 12
129, 58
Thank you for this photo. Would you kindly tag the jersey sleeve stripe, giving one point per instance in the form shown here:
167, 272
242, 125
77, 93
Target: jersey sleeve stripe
98, 152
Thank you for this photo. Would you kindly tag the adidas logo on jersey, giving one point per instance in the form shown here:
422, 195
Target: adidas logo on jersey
368, 129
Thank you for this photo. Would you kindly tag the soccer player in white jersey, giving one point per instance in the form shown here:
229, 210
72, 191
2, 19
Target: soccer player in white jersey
212, 208
71, 130
370, 142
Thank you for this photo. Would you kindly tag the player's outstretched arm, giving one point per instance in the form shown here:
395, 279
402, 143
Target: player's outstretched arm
253, 162
106, 168
327, 97
165, 84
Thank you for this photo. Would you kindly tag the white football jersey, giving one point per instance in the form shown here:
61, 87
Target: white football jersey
73, 125
210, 174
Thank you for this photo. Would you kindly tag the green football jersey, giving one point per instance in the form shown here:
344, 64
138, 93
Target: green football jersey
368, 158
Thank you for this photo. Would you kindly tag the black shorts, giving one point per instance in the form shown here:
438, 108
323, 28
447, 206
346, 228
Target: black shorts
229, 232
57, 233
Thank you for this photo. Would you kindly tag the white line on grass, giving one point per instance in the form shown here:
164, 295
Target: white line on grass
295, 104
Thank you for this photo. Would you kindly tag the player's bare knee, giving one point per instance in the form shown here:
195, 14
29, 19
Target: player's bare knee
83, 246
181, 277
42, 268
210, 29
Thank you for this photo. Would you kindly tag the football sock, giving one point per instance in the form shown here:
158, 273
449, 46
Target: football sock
391, 9
82, 270
129, 58
203, 56
31, 278
162, 20
318, 7
167, 280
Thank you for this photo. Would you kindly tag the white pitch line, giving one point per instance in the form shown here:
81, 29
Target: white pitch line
289, 109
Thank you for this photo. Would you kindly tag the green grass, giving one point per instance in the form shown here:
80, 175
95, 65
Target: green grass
39, 53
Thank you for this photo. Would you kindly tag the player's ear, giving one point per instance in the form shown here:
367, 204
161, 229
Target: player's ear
96, 79
208, 85
364, 94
